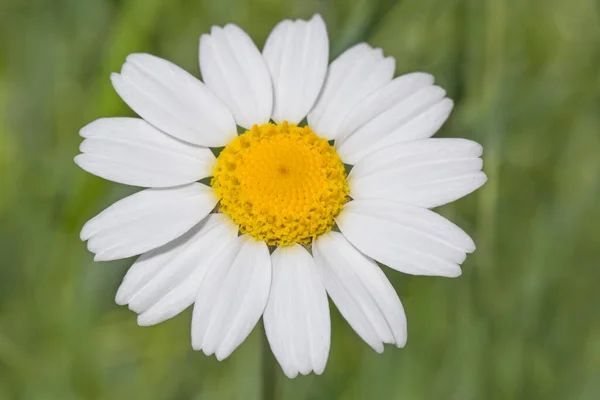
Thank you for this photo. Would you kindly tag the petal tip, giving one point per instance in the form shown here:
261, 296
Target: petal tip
448, 102
455, 273
222, 354
116, 80
318, 370
317, 18
85, 131
145, 320
133, 57
207, 352
195, 345
121, 298
77, 160
484, 178
290, 373
85, 233
204, 39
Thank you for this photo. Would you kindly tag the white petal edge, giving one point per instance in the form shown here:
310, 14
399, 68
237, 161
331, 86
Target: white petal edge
407, 238
353, 75
422, 151
361, 291
296, 53
174, 101
231, 297
296, 318
407, 108
146, 220
426, 173
133, 152
163, 282
233, 69
382, 99
419, 218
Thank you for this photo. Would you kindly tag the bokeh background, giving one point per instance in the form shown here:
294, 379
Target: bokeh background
523, 321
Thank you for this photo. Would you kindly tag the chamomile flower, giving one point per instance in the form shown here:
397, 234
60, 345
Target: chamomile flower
281, 224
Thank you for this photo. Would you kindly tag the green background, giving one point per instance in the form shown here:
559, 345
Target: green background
523, 321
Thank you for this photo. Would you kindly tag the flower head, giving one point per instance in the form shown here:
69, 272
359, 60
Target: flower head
281, 224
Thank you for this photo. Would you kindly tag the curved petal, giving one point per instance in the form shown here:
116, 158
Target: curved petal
361, 292
296, 53
424, 151
381, 100
147, 220
133, 152
233, 68
407, 238
426, 173
231, 297
296, 318
174, 101
163, 282
407, 108
353, 75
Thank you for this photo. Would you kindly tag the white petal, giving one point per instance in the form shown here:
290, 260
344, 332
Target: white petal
422, 126
172, 267
233, 68
147, 220
381, 100
164, 281
174, 101
428, 194
296, 319
361, 291
133, 152
419, 218
353, 75
407, 108
424, 151
427, 173
296, 53
231, 297
409, 239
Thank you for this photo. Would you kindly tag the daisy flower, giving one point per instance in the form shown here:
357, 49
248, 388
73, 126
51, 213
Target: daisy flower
281, 224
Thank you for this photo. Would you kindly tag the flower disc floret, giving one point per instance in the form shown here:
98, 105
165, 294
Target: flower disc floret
280, 183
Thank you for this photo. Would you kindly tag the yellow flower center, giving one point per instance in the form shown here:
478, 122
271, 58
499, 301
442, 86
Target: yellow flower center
280, 183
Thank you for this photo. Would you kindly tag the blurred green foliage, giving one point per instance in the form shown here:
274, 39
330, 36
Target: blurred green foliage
521, 323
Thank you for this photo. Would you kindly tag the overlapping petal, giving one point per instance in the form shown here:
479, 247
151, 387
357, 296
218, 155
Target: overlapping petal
174, 101
361, 291
353, 75
164, 281
404, 237
133, 152
408, 108
296, 319
427, 173
297, 53
233, 68
147, 220
231, 297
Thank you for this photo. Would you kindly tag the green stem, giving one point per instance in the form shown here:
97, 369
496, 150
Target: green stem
269, 384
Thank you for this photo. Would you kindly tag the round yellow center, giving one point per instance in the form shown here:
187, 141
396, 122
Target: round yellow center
280, 183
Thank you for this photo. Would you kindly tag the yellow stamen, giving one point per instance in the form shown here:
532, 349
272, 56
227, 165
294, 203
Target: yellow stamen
280, 183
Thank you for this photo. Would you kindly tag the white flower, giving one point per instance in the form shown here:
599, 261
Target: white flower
279, 185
